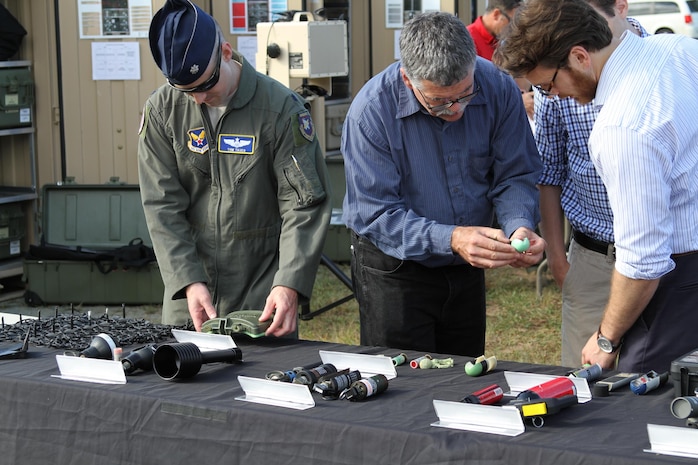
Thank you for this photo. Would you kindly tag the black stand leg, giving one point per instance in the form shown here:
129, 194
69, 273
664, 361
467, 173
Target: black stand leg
306, 314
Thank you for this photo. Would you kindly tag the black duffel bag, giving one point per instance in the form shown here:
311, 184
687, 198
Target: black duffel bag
11, 34
135, 255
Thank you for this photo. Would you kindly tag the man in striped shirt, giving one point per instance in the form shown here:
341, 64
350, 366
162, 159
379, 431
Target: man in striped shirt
570, 186
643, 146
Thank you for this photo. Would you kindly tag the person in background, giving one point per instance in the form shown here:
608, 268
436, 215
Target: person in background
570, 188
233, 180
643, 147
434, 146
485, 31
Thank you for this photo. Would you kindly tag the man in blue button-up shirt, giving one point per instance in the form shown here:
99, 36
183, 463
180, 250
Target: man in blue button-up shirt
434, 147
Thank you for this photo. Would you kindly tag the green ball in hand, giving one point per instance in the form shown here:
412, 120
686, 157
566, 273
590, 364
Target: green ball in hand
521, 245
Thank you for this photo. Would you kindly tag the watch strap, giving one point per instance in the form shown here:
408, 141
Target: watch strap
614, 347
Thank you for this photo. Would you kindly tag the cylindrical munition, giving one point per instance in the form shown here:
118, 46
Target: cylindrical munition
141, 358
648, 382
557, 387
102, 347
366, 387
415, 363
480, 365
311, 376
184, 359
486, 396
399, 359
332, 385
685, 407
589, 372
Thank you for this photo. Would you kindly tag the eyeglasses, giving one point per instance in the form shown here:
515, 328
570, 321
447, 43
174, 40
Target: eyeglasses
501, 12
546, 92
437, 109
209, 83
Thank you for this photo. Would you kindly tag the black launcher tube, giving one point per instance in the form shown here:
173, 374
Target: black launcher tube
184, 359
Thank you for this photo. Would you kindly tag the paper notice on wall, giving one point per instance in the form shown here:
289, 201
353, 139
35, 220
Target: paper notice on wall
114, 18
398, 12
116, 61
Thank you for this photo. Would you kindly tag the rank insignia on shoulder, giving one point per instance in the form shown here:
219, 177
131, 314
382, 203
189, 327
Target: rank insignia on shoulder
198, 142
305, 125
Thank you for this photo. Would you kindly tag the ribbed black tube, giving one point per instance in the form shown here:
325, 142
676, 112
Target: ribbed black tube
184, 359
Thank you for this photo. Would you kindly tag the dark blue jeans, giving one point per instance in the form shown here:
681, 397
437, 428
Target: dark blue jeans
405, 305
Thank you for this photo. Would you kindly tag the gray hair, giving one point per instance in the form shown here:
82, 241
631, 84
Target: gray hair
436, 47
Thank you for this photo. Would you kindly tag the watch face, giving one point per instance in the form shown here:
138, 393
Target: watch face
604, 344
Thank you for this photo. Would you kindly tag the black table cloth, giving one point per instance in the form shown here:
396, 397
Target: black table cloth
48, 420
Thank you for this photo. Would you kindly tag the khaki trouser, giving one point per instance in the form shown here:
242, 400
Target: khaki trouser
584, 297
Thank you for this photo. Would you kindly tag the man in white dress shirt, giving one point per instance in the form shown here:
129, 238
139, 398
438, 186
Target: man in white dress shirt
644, 146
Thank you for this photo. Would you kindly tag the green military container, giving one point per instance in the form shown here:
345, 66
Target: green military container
91, 218
338, 240
12, 230
16, 95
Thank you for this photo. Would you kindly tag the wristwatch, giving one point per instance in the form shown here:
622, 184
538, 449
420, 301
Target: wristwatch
605, 343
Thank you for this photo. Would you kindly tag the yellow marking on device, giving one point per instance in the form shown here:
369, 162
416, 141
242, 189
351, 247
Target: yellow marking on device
534, 410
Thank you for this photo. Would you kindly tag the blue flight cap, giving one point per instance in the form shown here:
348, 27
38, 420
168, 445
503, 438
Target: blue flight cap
182, 40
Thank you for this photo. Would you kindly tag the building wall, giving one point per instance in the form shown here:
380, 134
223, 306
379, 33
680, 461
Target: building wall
88, 130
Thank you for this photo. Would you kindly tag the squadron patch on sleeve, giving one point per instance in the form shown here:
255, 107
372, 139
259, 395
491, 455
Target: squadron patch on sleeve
304, 125
198, 142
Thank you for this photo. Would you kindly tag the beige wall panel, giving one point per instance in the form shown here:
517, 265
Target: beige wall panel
79, 96
15, 161
44, 59
101, 145
101, 118
382, 38
359, 48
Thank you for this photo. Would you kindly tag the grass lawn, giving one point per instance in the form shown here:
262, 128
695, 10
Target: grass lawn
520, 326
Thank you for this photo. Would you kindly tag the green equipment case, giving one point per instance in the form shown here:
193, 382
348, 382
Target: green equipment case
16, 97
12, 230
338, 240
85, 219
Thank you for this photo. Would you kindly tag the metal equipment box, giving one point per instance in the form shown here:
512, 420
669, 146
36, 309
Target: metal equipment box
308, 49
335, 114
16, 97
684, 374
338, 240
12, 230
92, 218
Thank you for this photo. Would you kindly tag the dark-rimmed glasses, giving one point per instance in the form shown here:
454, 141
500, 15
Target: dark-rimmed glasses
209, 83
463, 101
546, 92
